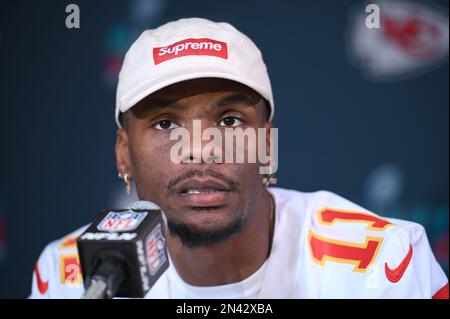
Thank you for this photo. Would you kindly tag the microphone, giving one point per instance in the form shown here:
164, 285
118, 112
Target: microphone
123, 252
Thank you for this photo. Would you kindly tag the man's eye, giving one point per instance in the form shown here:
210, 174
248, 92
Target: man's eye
165, 125
230, 122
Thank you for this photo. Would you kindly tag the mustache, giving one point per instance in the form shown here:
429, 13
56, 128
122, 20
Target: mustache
208, 172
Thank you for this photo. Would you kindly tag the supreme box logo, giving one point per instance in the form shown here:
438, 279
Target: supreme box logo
186, 47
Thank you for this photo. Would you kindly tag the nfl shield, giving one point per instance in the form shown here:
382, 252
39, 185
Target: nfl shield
156, 255
121, 221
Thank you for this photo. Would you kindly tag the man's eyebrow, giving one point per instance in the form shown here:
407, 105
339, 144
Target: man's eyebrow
234, 99
154, 103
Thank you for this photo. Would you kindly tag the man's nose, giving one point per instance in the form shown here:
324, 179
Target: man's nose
202, 150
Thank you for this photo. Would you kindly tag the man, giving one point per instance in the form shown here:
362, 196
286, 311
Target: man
229, 236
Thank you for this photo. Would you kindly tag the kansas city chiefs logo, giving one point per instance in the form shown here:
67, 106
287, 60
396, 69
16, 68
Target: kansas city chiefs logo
412, 38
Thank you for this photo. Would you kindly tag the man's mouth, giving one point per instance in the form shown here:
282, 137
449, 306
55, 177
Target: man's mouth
199, 191
203, 192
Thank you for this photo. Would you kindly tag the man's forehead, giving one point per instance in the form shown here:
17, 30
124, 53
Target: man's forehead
220, 92
202, 86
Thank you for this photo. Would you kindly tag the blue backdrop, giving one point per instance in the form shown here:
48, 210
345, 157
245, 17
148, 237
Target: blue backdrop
381, 144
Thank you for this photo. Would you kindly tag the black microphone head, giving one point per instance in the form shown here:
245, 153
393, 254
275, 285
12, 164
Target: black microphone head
135, 235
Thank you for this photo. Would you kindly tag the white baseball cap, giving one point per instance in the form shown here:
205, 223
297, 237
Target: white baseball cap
189, 49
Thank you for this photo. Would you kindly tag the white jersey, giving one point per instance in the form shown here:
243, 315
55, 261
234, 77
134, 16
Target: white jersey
324, 246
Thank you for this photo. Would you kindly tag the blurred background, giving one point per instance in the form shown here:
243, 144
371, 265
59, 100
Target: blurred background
361, 112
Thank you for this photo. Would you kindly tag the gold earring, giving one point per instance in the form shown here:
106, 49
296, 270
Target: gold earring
128, 182
270, 180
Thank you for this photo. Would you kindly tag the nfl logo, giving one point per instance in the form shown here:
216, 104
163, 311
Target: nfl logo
156, 255
121, 221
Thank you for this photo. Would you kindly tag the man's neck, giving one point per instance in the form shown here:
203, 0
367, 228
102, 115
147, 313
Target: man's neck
232, 260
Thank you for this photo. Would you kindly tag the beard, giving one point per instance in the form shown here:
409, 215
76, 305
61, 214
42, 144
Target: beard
195, 238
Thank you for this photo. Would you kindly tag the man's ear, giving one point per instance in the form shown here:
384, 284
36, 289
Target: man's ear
122, 153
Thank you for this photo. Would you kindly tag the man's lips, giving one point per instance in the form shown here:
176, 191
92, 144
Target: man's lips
205, 199
205, 192
202, 185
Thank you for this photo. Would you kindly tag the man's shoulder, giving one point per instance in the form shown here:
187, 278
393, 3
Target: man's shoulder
57, 272
329, 212
350, 252
68, 241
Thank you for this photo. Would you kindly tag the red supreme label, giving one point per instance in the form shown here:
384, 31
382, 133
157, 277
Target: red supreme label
186, 47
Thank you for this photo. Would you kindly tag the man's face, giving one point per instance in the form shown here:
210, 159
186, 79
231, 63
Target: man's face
204, 202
